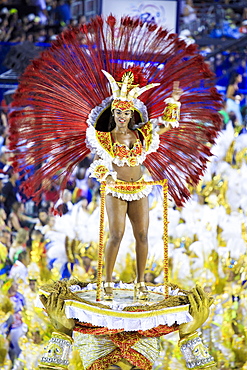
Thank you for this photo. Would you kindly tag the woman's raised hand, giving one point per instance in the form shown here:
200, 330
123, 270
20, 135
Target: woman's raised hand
176, 92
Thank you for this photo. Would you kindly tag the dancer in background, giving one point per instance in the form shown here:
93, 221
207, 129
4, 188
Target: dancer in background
234, 97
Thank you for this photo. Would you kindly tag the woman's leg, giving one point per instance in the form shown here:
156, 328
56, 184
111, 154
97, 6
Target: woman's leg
116, 210
138, 212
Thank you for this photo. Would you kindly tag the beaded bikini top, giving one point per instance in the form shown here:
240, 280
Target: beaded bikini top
126, 154
102, 143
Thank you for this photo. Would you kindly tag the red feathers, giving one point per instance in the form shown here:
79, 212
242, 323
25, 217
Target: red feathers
139, 76
59, 89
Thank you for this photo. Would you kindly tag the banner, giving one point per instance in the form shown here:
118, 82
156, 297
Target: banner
163, 13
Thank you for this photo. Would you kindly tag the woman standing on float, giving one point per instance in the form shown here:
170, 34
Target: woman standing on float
62, 107
119, 157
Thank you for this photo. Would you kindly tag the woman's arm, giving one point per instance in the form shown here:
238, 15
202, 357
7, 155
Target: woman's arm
100, 170
14, 222
171, 114
29, 219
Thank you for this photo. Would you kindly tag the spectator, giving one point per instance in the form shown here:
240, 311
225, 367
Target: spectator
79, 218
63, 12
3, 134
43, 217
64, 204
186, 36
5, 243
82, 20
38, 243
17, 218
52, 33
15, 324
3, 119
27, 22
189, 16
4, 27
37, 236
242, 69
234, 97
85, 186
43, 35
50, 226
19, 244
30, 37
19, 271
5, 237
33, 285
87, 264
41, 6
243, 28
10, 191
149, 277
244, 14
3, 218
233, 118
4, 159
50, 195
12, 26
3, 260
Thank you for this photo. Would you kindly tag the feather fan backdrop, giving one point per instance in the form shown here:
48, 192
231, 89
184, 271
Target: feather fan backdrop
59, 89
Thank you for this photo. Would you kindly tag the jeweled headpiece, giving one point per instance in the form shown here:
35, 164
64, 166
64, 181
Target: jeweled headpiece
125, 91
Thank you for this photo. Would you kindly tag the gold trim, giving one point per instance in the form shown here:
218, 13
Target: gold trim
102, 143
213, 363
125, 314
172, 301
60, 335
43, 292
101, 241
52, 367
149, 127
188, 337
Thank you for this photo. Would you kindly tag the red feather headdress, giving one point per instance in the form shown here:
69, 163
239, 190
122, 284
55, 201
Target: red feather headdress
64, 88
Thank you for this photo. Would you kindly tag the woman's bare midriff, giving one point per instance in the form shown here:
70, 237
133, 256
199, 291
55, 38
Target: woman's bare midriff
127, 173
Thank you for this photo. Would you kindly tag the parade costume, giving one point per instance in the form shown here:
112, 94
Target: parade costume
111, 151
65, 91
62, 111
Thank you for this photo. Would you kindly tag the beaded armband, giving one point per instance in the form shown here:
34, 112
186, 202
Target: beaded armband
57, 351
171, 114
100, 170
195, 352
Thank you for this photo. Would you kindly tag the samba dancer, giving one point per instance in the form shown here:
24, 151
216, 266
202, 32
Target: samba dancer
120, 154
